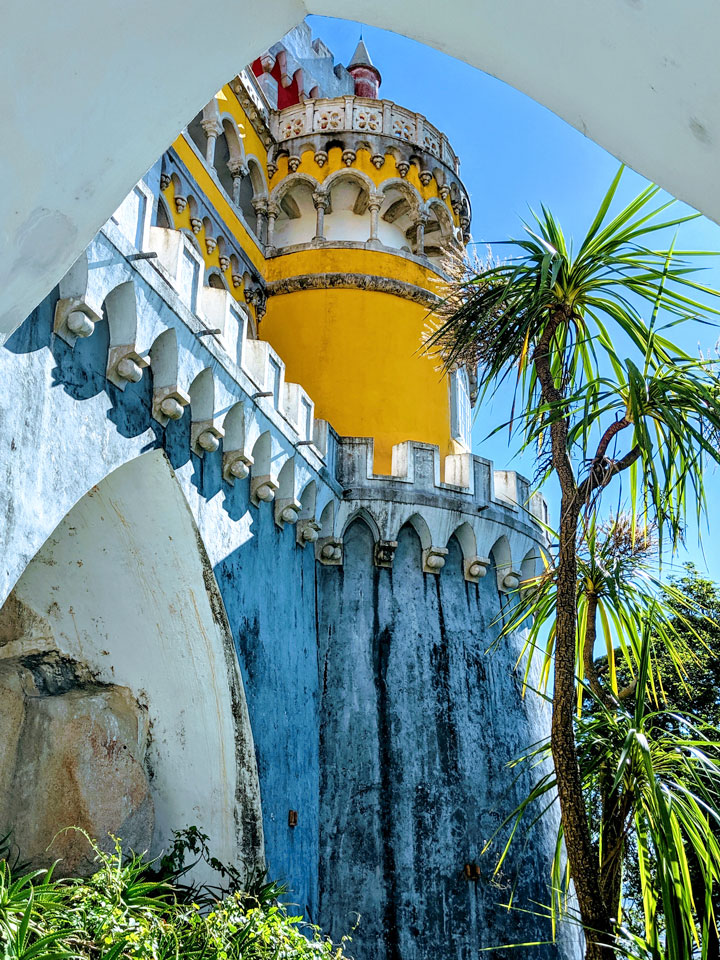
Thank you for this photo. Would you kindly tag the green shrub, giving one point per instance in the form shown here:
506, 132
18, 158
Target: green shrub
135, 908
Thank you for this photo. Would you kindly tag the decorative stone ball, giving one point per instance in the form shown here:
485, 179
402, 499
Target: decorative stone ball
511, 581
171, 408
208, 441
337, 553
129, 370
265, 492
80, 324
435, 562
309, 534
477, 569
328, 551
288, 515
239, 469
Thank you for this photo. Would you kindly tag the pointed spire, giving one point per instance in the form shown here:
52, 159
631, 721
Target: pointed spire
364, 72
361, 57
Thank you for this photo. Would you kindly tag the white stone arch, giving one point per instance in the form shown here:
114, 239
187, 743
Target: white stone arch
348, 173
501, 561
292, 204
362, 513
164, 359
347, 194
121, 310
437, 212
119, 561
287, 184
465, 536
232, 135
308, 500
257, 176
421, 528
399, 212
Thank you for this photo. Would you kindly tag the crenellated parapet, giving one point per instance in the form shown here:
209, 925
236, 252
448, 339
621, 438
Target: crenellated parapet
496, 518
264, 428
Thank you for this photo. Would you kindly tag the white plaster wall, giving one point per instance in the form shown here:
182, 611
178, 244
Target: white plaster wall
123, 584
639, 77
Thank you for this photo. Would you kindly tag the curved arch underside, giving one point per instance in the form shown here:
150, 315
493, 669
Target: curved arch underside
122, 701
637, 77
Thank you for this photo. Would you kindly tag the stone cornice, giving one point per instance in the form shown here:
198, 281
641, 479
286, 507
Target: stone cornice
353, 281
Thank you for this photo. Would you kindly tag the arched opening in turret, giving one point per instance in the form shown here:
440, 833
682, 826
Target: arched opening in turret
399, 215
296, 216
121, 703
252, 189
347, 216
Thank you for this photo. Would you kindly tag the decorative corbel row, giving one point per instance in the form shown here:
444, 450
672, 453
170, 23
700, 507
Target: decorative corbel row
168, 403
74, 318
433, 559
307, 531
385, 552
262, 489
205, 437
287, 510
125, 365
328, 550
236, 465
475, 568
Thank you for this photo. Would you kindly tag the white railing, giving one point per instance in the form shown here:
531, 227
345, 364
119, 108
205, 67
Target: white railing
361, 115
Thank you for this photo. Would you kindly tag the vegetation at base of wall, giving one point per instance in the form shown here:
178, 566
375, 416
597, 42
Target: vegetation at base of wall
149, 910
611, 406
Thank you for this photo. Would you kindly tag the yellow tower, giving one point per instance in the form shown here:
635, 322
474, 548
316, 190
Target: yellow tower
345, 208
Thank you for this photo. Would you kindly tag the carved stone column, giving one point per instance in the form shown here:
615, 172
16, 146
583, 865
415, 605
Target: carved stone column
374, 204
422, 220
260, 206
321, 203
213, 129
271, 218
238, 169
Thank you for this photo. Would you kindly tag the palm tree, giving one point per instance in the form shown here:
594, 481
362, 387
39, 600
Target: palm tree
558, 322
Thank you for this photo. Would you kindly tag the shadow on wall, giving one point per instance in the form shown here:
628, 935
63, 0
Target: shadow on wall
419, 722
81, 371
122, 707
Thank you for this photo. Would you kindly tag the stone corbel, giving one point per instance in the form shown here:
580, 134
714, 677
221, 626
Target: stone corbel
307, 531
475, 568
73, 319
328, 550
262, 489
321, 158
125, 365
236, 465
385, 553
348, 157
205, 437
425, 177
433, 559
293, 163
287, 510
169, 403
509, 581
403, 167
180, 202
377, 160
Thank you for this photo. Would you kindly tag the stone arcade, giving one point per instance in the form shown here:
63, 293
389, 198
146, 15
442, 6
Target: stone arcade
261, 605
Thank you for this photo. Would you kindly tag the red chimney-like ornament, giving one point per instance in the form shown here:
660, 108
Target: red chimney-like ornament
365, 74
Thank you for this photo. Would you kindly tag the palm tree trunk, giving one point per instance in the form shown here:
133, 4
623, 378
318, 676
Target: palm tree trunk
582, 857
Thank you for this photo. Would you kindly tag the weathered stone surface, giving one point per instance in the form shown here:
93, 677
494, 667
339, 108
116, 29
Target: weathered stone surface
418, 724
79, 763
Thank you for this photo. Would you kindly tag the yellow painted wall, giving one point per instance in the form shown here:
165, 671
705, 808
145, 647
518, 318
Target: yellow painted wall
356, 354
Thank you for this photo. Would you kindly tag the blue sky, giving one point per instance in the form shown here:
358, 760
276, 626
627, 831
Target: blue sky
514, 155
